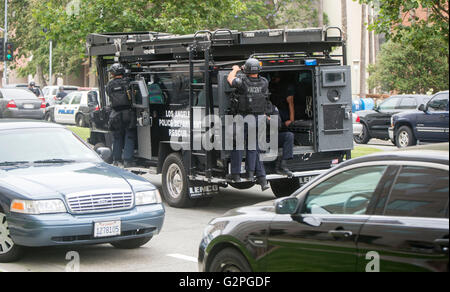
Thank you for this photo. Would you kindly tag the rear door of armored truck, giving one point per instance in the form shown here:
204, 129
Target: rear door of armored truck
334, 127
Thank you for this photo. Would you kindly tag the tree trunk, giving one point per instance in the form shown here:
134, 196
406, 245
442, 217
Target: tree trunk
320, 12
40, 76
362, 83
344, 18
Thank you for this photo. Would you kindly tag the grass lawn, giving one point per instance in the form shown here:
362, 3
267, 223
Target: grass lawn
363, 151
359, 151
84, 133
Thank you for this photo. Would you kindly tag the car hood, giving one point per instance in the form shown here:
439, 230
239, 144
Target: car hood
50, 180
258, 211
365, 113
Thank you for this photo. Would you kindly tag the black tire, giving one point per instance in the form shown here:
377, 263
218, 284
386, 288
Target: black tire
404, 137
243, 185
13, 252
131, 243
175, 182
79, 121
48, 117
229, 260
285, 187
364, 138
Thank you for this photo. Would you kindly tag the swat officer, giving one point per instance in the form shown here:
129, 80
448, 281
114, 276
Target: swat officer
61, 93
32, 87
253, 92
122, 120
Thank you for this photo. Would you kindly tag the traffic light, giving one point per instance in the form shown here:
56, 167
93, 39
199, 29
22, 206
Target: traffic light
2, 49
9, 52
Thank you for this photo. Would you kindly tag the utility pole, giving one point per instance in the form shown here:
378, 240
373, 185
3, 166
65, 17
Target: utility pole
50, 64
5, 37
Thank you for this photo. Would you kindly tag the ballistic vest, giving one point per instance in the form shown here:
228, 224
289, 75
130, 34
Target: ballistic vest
253, 95
117, 92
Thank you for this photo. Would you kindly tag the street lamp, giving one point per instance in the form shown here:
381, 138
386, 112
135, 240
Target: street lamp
50, 73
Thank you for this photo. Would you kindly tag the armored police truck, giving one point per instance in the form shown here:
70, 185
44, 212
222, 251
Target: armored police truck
180, 92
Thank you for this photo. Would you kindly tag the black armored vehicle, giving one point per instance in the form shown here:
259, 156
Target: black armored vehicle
179, 89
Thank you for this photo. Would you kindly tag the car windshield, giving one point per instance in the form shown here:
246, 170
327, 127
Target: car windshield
17, 94
43, 145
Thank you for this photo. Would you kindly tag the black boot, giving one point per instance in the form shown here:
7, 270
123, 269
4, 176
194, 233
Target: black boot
263, 183
282, 169
234, 177
250, 175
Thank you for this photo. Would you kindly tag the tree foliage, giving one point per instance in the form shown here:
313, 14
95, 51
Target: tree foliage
395, 17
68, 22
410, 64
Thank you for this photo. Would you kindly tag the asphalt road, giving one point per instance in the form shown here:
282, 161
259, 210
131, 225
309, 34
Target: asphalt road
175, 249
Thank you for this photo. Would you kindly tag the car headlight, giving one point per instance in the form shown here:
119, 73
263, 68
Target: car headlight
148, 198
38, 207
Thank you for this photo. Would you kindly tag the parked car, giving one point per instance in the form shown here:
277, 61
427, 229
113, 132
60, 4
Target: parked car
68, 196
75, 108
25, 86
19, 104
50, 93
428, 124
376, 122
390, 206
357, 126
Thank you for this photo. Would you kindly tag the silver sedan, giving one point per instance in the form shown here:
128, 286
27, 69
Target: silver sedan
20, 104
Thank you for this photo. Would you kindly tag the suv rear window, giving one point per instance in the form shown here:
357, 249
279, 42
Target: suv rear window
419, 192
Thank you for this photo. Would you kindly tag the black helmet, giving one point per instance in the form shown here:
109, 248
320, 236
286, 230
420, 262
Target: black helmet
117, 69
252, 66
32, 83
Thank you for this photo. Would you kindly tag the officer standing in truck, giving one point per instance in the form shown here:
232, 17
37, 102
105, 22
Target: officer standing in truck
122, 121
253, 92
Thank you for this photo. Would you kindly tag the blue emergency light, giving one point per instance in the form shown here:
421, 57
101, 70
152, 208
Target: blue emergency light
311, 62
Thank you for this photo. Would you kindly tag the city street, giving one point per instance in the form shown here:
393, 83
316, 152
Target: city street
175, 249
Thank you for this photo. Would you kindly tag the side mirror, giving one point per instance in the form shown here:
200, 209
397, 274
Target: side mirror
58, 102
422, 108
286, 206
105, 153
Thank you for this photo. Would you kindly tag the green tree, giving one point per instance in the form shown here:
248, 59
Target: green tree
410, 64
393, 13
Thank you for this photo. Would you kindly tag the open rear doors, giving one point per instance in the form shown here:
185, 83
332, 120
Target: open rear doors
334, 108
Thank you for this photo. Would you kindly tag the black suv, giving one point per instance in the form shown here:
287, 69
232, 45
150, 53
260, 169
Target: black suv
376, 122
383, 212
428, 124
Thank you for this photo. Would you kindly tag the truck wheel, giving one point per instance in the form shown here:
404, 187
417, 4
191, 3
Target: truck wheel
131, 243
364, 137
284, 187
405, 137
175, 182
243, 185
9, 252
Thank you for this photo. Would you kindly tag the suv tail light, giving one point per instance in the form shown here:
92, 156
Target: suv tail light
97, 108
43, 105
11, 104
358, 120
42, 99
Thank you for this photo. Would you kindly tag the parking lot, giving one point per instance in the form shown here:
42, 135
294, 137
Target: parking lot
174, 249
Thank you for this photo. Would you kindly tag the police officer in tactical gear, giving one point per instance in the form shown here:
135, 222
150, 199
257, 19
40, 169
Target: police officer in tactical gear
32, 88
253, 92
122, 120
61, 93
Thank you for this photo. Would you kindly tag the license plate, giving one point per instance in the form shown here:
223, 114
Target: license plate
28, 106
306, 179
107, 229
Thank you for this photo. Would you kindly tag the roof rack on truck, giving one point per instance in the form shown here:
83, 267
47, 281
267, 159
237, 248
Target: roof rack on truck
224, 43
